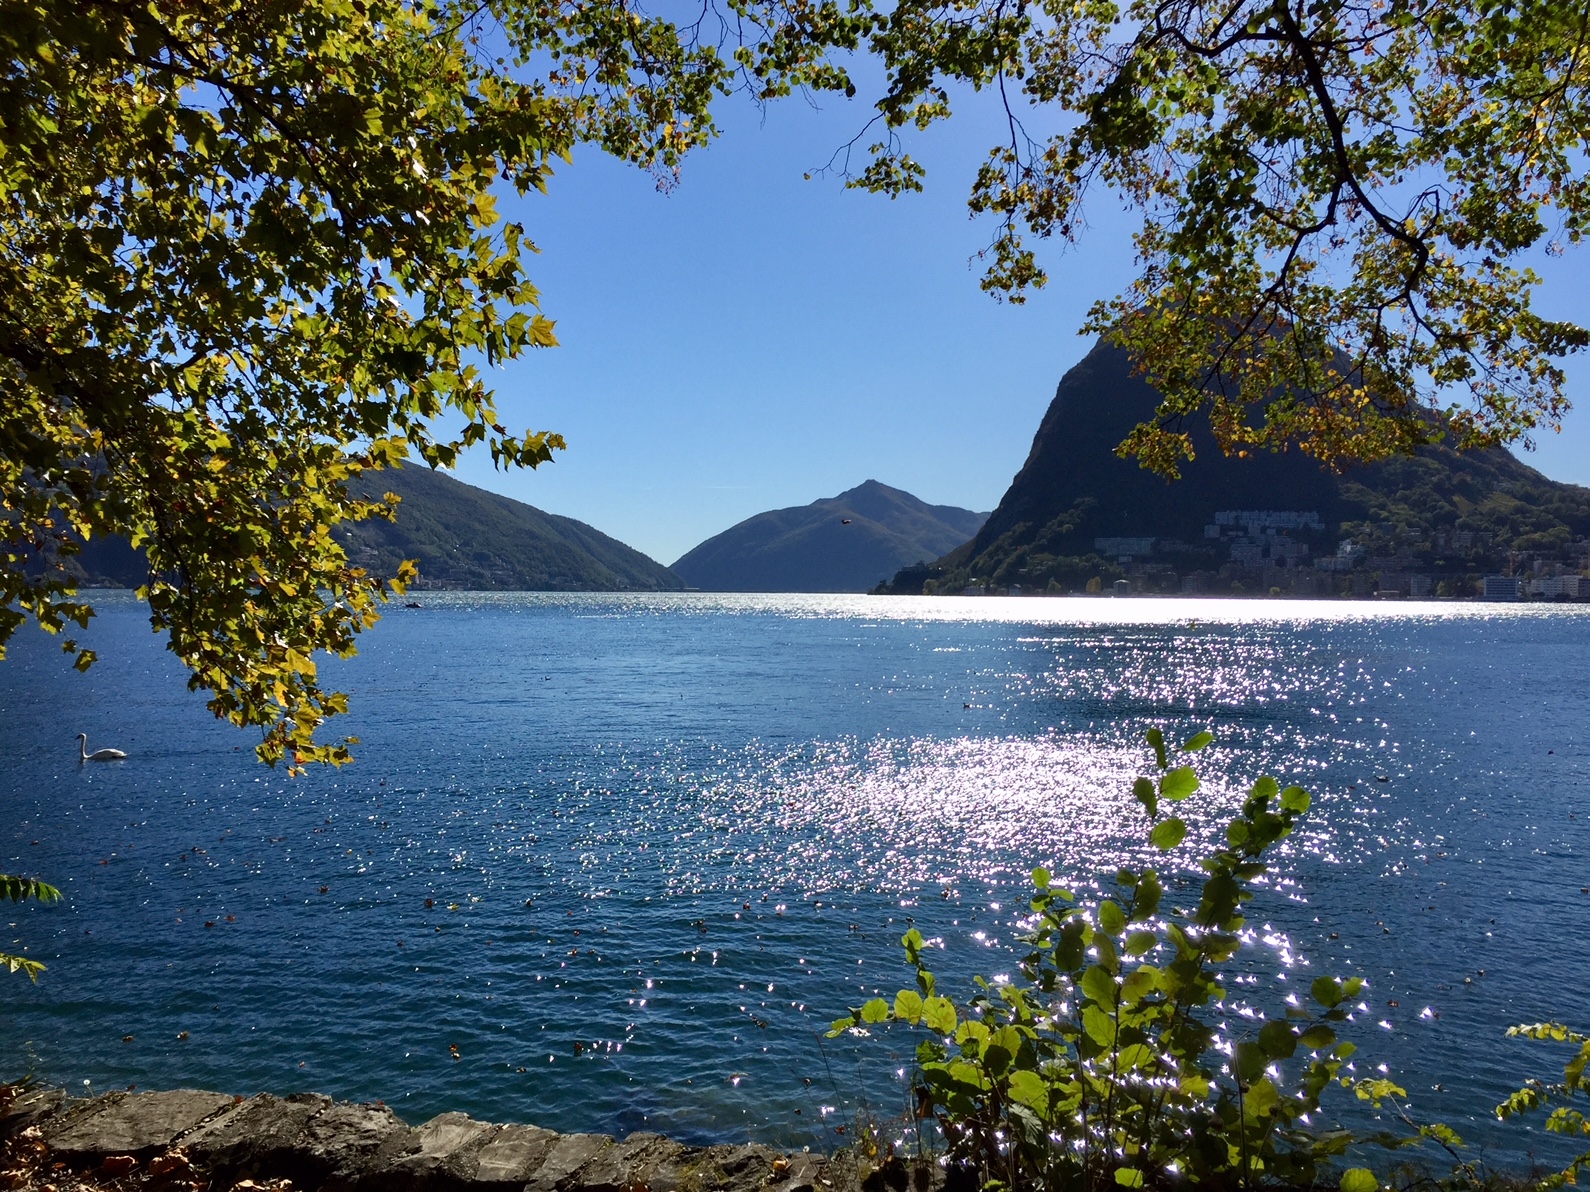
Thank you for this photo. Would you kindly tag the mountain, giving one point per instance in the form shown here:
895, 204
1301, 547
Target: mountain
1077, 512
463, 537
847, 543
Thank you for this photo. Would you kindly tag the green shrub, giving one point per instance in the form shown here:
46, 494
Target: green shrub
1104, 1066
1565, 1117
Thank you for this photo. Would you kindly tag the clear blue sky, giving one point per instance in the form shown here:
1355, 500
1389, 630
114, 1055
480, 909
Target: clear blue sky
753, 340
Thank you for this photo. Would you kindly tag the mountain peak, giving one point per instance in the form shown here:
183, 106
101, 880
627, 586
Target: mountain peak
1077, 512
867, 487
847, 543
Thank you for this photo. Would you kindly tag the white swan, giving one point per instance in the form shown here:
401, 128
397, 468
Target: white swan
99, 755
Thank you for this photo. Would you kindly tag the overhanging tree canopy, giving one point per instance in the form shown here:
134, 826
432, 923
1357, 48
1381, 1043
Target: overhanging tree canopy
251, 249
1338, 198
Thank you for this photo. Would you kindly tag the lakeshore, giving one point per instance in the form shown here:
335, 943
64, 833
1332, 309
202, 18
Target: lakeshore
193, 1139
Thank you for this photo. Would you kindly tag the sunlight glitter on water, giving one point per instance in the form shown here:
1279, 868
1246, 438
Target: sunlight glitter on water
1036, 610
898, 814
915, 817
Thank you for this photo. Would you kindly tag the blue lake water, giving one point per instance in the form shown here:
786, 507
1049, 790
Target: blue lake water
667, 839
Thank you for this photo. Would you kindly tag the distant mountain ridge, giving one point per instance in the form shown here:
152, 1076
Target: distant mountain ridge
1077, 512
848, 543
467, 538
464, 538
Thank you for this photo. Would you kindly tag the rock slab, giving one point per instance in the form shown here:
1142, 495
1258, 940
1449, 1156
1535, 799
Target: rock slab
137, 1124
331, 1146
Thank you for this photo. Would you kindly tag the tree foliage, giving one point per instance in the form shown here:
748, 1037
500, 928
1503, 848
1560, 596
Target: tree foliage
250, 251
1566, 1117
19, 889
1338, 198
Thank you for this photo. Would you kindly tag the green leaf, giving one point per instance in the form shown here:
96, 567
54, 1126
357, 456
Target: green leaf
971, 1029
1375, 1089
1442, 1133
908, 1006
938, 1014
1294, 799
1099, 1026
969, 1076
1260, 1100
1029, 1089
1128, 1177
1111, 917
1140, 942
1040, 878
18, 889
1573, 1071
1278, 1039
1156, 742
1359, 1179
1178, 784
1198, 741
1140, 984
1327, 991
1167, 834
1317, 1038
875, 1011
996, 1058
1248, 1061
1008, 1041
1099, 985
1143, 791
21, 964
1138, 1055
1104, 945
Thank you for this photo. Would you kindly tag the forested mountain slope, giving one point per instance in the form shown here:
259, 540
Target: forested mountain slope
1075, 507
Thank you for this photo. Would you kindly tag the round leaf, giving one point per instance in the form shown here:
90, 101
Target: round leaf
908, 1006
877, 1010
1099, 1026
938, 1014
1294, 798
1140, 942
1029, 1089
1178, 784
1098, 984
1167, 834
1327, 991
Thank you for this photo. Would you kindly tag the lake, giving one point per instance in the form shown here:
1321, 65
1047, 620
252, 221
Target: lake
615, 862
